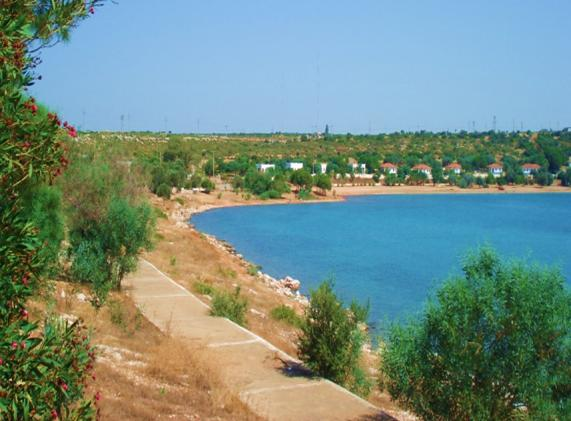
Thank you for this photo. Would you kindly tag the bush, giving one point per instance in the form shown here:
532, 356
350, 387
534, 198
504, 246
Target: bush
43, 208
305, 195
203, 288
270, 194
163, 191
229, 305
331, 341
286, 314
105, 250
43, 367
543, 178
493, 344
207, 185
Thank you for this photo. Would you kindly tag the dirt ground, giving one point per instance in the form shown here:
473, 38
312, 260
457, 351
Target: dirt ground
140, 373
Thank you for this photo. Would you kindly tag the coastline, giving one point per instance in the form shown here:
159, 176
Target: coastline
190, 256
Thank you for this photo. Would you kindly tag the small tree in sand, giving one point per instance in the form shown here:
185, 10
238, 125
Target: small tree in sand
331, 339
495, 344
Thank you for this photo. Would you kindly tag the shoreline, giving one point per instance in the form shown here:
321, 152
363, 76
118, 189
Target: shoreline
341, 193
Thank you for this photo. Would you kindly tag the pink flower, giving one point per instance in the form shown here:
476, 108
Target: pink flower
91, 10
14, 345
24, 312
64, 386
1, 361
54, 414
97, 396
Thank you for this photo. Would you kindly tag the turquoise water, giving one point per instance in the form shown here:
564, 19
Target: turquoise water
394, 250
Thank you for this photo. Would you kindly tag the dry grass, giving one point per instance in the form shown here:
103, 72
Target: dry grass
143, 374
199, 261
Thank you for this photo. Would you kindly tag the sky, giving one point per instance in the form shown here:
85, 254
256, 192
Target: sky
360, 66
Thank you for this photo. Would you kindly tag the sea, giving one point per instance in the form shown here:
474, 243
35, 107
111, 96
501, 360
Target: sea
394, 250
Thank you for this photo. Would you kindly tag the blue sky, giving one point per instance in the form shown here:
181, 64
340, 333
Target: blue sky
294, 65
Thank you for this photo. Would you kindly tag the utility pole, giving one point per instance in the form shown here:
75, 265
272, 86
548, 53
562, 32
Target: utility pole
122, 118
494, 124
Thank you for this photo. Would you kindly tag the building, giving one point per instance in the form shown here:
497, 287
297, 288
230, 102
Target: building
323, 167
423, 168
353, 164
363, 168
529, 169
389, 168
265, 167
454, 167
496, 169
294, 166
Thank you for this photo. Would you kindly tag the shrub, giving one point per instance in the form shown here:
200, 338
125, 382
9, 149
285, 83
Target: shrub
331, 341
543, 178
203, 288
254, 269
305, 195
492, 344
44, 209
286, 314
163, 191
43, 370
207, 185
103, 251
229, 305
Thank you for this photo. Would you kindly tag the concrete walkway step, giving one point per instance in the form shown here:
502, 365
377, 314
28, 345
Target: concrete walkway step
251, 366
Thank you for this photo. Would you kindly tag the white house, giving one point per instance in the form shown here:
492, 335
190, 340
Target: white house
265, 167
423, 168
496, 169
389, 168
454, 167
529, 169
294, 166
353, 164
363, 168
323, 167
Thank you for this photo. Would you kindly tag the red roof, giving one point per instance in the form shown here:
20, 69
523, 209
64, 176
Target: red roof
421, 167
531, 166
454, 166
388, 165
495, 165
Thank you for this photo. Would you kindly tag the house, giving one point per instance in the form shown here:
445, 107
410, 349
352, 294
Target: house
265, 167
294, 166
353, 164
323, 167
529, 169
454, 167
389, 168
363, 168
496, 169
423, 168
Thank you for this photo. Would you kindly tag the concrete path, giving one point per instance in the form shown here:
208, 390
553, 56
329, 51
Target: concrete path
265, 378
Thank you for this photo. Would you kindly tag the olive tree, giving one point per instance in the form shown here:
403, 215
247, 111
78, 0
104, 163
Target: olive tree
493, 344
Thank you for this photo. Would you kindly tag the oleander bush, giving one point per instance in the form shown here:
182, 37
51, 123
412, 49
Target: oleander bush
43, 365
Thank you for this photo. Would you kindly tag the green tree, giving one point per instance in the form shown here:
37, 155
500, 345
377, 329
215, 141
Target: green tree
302, 179
331, 340
493, 344
105, 253
323, 182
